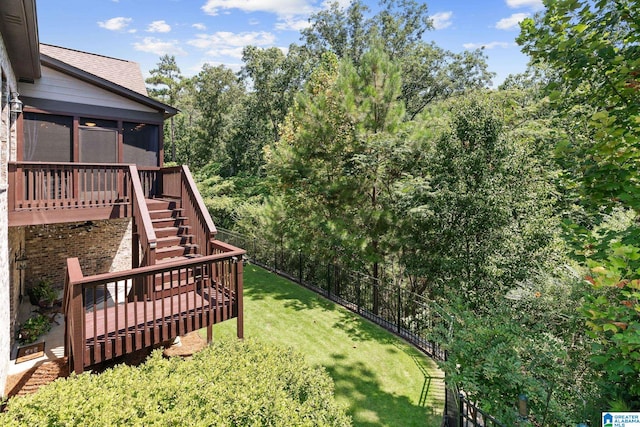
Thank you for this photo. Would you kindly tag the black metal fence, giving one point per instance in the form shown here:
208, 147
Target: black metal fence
472, 416
381, 300
406, 314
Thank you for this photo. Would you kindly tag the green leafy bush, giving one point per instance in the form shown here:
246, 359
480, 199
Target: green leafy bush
33, 328
43, 293
229, 383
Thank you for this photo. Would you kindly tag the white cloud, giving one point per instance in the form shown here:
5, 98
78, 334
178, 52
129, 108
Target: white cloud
342, 3
225, 43
159, 27
199, 26
532, 4
291, 23
115, 24
441, 20
280, 7
490, 45
159, 47
511, 22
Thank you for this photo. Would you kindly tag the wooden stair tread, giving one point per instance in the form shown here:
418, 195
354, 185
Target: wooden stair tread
177, 258
177, 247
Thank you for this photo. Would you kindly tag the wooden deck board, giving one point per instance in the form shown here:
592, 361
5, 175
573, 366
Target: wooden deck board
138, 316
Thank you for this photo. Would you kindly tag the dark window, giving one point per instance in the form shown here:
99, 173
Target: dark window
141, 144
47, 138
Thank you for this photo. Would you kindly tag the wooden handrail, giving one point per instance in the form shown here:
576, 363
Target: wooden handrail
195, 209
177, 182
157, 268
142, 218
201, 207
72, 164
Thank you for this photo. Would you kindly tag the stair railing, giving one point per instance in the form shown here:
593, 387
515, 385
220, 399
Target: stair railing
198, 214
143, 227
178, 182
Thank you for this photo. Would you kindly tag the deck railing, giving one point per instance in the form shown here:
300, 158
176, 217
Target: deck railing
44, 186
112, 314
149, 178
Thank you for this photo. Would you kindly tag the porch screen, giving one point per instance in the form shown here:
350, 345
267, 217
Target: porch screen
47, 138
98, 145
141, 144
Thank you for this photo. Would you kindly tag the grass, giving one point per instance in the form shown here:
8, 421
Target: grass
380, 379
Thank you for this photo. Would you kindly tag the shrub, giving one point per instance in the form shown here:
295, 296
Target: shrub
33, 328
229, 383
43, 293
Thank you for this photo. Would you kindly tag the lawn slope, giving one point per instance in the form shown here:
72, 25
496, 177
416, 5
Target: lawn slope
382, 380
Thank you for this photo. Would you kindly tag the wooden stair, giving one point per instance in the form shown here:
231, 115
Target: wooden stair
174, 241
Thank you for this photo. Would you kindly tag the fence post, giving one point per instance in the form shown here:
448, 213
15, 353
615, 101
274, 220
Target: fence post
399, 308
461, 409
329, 280
300, 266
358, 297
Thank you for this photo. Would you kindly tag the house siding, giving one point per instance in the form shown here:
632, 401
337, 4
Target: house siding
63, 88
100, 246
7, 139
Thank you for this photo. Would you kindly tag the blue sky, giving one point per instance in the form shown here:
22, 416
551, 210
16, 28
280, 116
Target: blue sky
215, 31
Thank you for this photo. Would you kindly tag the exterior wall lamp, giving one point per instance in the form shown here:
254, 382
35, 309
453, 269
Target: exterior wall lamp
15, 103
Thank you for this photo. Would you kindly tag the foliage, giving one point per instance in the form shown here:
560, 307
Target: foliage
428, 72
229, 383
530, 343
333, 165
227, 118
593, 49
218, 97
478, 206
275, 80
165, 82
228, 198
33, 328
612, 310
43, 292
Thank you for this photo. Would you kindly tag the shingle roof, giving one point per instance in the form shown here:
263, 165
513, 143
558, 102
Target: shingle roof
119, 71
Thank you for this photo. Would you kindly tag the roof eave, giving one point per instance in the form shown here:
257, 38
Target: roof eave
65, 68
19, 27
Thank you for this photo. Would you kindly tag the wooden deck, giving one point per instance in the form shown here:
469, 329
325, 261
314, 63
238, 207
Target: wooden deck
197, 283
109, 315
114, 331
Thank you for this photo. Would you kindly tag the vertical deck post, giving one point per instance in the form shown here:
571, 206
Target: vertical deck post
75, 312
239, 301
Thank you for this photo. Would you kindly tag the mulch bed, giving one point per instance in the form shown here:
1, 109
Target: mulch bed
30, 381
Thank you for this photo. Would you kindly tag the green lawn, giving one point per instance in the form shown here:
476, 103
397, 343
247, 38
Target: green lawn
380, 379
